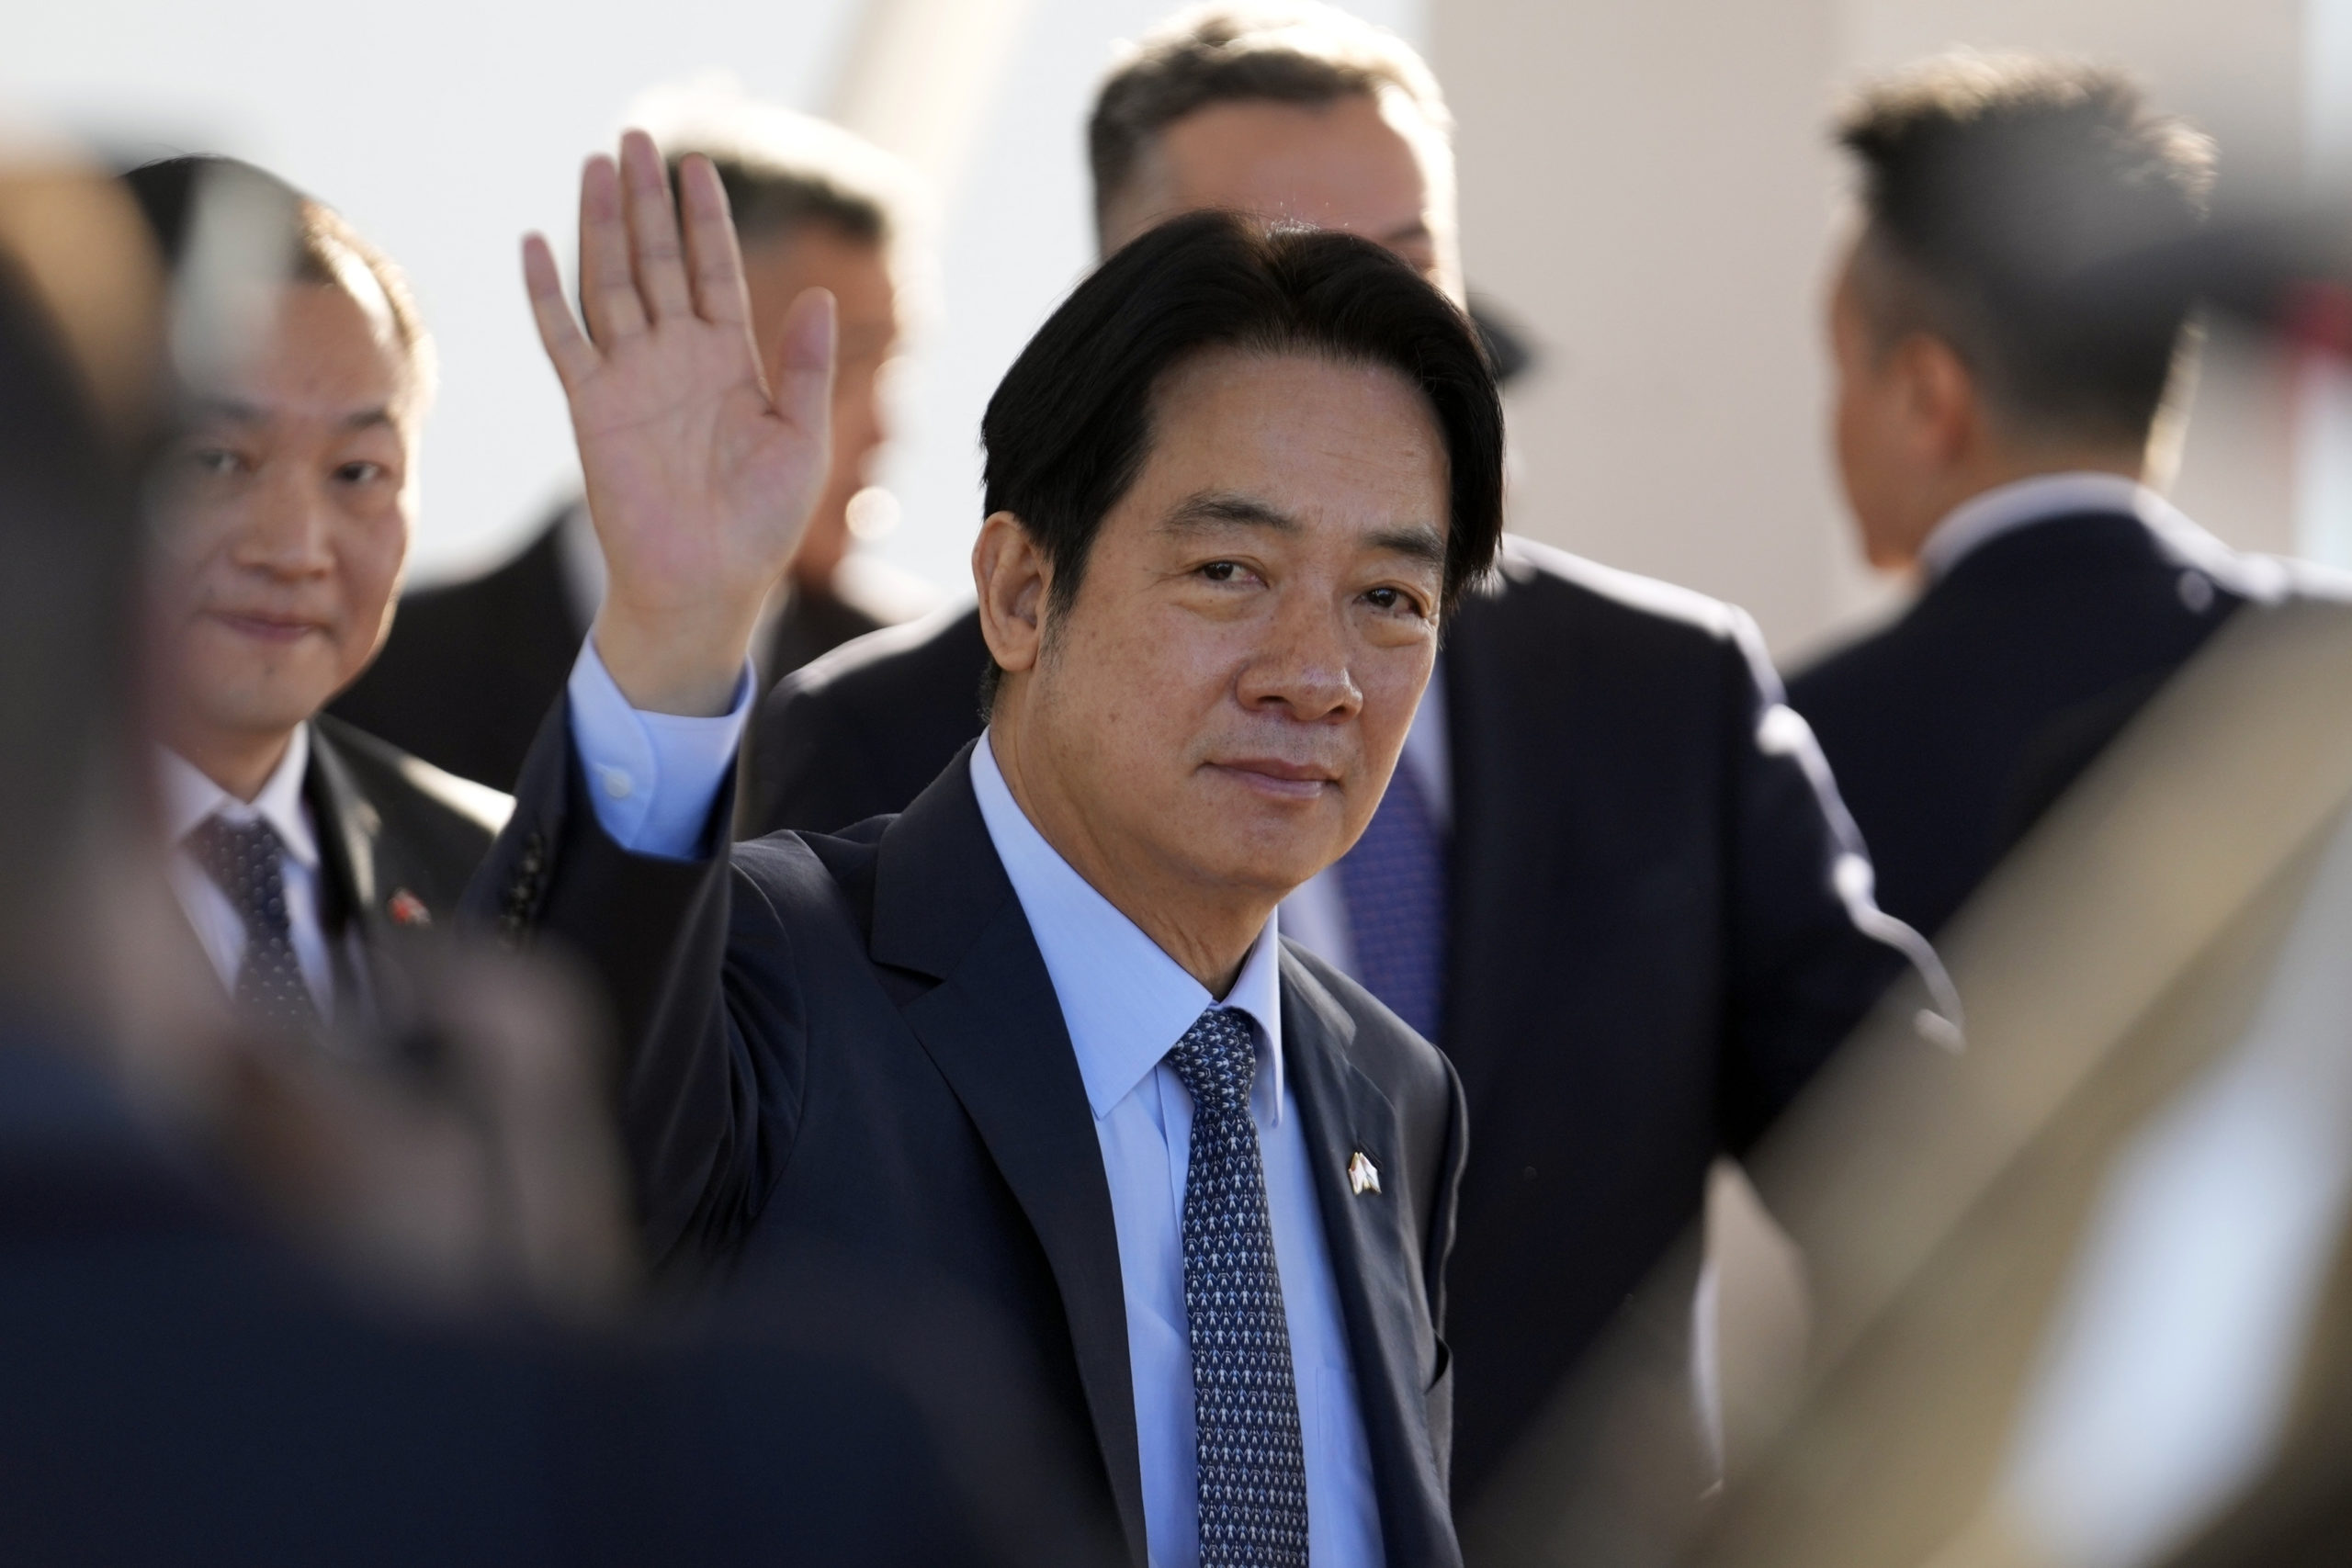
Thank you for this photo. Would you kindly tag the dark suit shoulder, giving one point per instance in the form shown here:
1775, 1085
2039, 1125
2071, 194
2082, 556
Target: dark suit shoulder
429, 813
1534, 579
898, 662
1379, 1044
862, 730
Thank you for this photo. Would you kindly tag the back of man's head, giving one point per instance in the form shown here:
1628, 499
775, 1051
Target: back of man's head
783, 171
1996, 190
1296, 52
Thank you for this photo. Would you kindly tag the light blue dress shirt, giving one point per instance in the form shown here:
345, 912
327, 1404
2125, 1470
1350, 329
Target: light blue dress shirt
1125, 1004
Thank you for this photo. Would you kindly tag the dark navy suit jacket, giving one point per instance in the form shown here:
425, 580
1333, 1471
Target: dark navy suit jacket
848, 1049
1648, 957
1953, 729
181, 1388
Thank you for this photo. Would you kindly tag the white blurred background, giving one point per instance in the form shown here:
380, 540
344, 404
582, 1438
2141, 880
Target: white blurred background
1646, 185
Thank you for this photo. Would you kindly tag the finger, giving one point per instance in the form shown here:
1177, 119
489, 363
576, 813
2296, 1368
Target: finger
574, 357
607, 280
804, 384
712, 253
653, 228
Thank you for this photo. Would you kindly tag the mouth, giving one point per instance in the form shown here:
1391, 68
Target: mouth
1278, 779
264, 625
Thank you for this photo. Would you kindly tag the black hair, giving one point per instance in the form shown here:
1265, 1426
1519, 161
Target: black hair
319, 244
1307, 54
1070, 426
772, 202
2000, 193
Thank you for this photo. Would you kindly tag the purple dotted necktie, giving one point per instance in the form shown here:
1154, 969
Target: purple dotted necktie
242, 860
1394, 883
1252, 1460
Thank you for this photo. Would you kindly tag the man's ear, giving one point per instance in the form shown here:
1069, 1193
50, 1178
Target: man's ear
1012, 577
1940, 398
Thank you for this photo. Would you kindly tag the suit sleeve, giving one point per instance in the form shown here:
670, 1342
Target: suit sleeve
1809, 952
698, 973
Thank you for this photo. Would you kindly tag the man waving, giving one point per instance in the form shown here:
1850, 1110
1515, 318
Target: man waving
1035, 1047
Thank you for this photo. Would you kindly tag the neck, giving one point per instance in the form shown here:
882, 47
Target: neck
1207, 927
1990, 468
239, 762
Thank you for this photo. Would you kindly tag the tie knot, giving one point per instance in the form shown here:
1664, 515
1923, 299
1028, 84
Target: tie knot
1217, 1061
242, 858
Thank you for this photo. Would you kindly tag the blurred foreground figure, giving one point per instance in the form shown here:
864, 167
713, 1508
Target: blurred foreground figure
1610, 877
2080, 1292
303, 848
262, 1307
2001, 422
472, 666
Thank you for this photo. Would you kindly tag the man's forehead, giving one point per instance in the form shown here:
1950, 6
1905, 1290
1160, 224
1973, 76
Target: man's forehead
1343, 164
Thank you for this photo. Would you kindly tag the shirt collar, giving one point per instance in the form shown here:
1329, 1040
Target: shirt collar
1125, 1002
2004, 509
189, 797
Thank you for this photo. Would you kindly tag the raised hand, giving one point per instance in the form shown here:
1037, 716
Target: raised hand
700, 476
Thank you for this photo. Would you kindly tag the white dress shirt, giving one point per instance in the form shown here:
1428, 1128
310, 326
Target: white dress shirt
189, 799
1125, 1004
2004, 509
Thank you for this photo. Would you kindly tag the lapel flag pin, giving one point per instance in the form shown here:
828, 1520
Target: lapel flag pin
1363, 1175
407, 910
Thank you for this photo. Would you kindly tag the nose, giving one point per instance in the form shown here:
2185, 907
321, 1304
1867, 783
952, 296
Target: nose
286, 530
1301, 669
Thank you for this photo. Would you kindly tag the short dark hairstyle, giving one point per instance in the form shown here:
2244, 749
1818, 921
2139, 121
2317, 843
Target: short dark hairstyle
1071, 425
783, 171
1996, 191
1294, 53
319, 245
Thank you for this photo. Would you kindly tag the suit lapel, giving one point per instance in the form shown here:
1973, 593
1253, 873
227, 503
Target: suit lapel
944, 908
1376, 1260
348, 829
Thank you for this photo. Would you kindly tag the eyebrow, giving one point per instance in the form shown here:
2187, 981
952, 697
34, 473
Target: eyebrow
1209, 509
234, 411
1415, 541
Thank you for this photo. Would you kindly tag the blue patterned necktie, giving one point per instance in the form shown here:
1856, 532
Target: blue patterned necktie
242, 860
1394, 882
1245, 1405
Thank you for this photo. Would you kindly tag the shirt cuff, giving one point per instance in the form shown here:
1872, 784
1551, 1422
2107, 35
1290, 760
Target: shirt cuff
653, 776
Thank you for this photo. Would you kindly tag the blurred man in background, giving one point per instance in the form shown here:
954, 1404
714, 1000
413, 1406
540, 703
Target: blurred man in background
1605, 878
471, 668
2001, 429
303, 846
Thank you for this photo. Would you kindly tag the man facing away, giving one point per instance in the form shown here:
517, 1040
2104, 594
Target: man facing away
1606, 877
1036, 1044
1998, 423
303, 848
473, 666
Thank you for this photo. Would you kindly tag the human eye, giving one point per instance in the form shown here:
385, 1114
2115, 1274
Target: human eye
1390, 599
360, 471
212, 462
1224, 571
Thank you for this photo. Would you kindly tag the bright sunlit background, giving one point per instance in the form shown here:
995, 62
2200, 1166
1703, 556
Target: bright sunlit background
1646, 186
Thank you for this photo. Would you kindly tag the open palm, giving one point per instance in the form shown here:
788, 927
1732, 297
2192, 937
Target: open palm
700, 476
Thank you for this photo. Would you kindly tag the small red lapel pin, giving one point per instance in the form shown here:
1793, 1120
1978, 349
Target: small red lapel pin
407, 910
